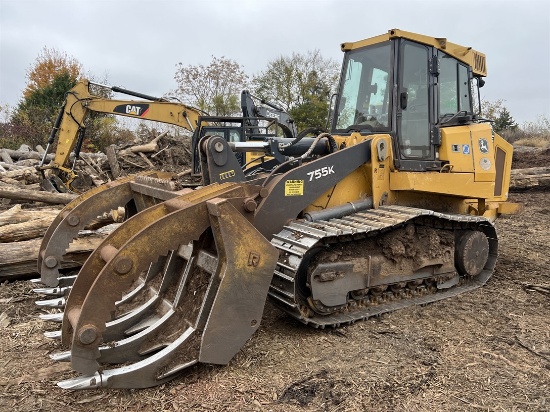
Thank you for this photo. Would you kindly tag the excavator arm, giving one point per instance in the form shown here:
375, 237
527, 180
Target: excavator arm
268, 111
70, 124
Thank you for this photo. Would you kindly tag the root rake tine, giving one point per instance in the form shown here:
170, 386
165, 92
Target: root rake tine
56, 334
52, 303
61, 356
52, 317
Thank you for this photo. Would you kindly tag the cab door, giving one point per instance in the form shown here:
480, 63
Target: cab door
415, 108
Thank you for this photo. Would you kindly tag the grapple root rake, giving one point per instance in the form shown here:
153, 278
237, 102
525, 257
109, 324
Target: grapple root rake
74, 217
200, 300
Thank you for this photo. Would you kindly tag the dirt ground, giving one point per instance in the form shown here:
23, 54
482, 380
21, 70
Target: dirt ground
485, 350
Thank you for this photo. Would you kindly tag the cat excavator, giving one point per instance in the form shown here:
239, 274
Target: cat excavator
393, 207
70, 127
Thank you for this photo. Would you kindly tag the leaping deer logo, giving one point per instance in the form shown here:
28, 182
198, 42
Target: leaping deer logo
483, 146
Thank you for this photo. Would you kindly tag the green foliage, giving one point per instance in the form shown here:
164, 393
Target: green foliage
214, 89
34, 117
52, 95
101, 132
301, 84
499, 115
504, 121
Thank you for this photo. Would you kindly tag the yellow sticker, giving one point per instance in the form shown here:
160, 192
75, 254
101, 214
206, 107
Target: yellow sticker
227, 175
294, 188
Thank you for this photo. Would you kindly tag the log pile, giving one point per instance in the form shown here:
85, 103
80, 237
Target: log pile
21, 232
26, 211
18, 168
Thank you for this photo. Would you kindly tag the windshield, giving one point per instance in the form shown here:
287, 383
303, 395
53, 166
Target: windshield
364, 104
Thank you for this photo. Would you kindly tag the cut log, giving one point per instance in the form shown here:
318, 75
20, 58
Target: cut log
19, 194
19, 259
19, 215
152, 146
30, 229
151, 165
5, 156
531, 171
20, 172
531, 178
113, 161
22, 154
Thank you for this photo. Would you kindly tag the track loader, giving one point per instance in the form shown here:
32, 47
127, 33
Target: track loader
394, 207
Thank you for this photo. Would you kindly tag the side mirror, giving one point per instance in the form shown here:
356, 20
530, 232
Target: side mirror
403, 99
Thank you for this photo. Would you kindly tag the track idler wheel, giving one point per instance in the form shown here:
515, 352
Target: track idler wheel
472, 252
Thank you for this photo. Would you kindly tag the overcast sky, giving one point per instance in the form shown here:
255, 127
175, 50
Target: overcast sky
137, 44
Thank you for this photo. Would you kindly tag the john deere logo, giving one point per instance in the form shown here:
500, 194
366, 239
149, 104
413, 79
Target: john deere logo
483, 146
139, 110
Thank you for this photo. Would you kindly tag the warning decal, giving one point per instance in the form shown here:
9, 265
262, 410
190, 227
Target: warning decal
294, 188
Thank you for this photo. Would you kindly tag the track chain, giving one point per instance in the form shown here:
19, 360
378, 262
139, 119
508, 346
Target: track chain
299, 237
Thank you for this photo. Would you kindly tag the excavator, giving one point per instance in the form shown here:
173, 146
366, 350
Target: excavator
70, 127
394, 206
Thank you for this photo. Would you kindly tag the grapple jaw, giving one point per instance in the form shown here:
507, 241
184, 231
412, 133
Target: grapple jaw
74, 217
181, 282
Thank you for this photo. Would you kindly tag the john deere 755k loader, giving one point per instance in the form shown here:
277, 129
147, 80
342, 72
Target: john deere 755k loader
393, 207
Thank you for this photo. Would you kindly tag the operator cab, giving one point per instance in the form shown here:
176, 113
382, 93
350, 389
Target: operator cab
405, 88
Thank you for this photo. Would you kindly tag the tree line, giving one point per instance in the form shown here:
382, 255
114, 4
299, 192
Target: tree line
302, 84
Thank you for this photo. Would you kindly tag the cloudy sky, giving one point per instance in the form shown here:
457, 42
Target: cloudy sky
137, 44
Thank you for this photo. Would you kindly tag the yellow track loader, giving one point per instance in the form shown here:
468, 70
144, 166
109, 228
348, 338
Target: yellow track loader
394, 207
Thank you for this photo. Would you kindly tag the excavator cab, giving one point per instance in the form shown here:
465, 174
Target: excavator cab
233, 130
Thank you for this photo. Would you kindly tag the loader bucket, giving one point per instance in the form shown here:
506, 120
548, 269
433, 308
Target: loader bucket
192, 274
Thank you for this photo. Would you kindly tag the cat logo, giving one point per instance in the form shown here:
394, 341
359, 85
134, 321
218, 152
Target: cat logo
139, 110
227, 175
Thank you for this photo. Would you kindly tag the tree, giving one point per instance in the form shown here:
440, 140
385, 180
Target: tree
490, 110
504, 121
49, 64
214, 89
301, 84
48, 80
499, 115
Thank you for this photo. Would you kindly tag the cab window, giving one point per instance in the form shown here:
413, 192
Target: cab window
454, 89
414, 122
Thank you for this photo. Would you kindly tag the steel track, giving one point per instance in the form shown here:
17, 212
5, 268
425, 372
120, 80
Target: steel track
300, 237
